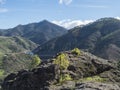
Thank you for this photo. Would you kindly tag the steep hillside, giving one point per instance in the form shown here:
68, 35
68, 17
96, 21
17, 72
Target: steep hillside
101, 38
69, 70
14, 54
15, 44
13, 62
36, 32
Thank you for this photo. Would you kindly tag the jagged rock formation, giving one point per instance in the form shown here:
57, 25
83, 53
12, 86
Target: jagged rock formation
96, 86
81, 68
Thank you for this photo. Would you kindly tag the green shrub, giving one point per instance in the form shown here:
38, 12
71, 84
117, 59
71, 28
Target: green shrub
62, 61
1, 72
35, 61
65, 77
94, 79
76, 51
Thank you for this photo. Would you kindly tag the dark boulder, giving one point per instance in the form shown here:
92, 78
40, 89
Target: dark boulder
27, 80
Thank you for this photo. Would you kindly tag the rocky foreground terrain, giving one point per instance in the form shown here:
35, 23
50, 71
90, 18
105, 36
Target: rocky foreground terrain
84, 72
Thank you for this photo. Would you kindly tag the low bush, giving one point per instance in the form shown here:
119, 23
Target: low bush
94, 79
65, 77
62, 61
76, 51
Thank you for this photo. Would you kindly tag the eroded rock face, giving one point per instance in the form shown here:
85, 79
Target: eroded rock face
47, 74
36, 79
70, 85
96, 86
87, 65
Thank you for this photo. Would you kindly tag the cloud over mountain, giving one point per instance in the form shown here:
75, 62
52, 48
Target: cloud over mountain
72, 23
117, 18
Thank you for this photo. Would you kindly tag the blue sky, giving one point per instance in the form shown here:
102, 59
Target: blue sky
14, 12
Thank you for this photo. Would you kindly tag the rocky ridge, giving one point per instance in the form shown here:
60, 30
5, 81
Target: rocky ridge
87, 71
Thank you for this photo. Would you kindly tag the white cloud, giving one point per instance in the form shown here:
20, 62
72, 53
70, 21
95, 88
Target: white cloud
72, 23
117, 18
3, 10
66, 2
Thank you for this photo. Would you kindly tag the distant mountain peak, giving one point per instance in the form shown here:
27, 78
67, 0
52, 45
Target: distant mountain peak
37, 32
45, 22
107, 19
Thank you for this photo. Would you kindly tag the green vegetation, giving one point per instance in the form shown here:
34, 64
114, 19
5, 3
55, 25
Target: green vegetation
15, 44
2, 75
1, 72
14, 62
110, 35
20, 60
64, 77
1, 59
93, 79
12, 55
76, 51
62, 61
35, 61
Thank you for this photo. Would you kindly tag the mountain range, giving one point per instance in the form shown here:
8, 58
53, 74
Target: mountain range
101, 38
36, 32
16, 44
